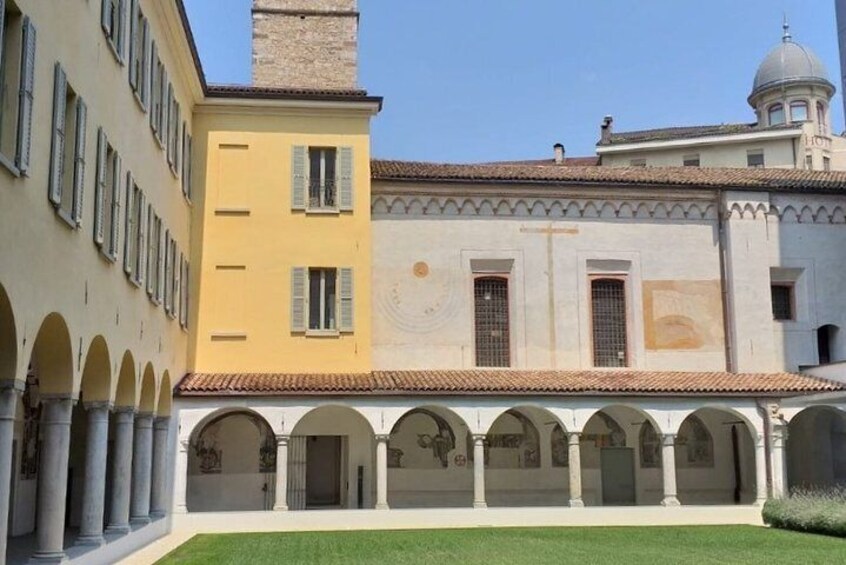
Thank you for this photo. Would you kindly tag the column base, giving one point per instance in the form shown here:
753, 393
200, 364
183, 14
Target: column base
760, 501
157, 514
382, 507
139, 520
49, 557
280, 508
480, 505
119, 529
670, 501
180, 510
91, 541
577, 503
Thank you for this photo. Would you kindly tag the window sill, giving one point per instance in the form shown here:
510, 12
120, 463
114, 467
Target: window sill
114, 50
66, 218
106, 255
323, 333
133, 281
141, 104
10, 166
323, 212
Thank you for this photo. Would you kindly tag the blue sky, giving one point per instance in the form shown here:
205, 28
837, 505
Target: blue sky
483, 80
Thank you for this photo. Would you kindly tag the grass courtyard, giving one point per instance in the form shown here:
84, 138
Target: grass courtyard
648, 545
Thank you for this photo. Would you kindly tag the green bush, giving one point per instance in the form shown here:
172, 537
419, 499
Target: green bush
819, 511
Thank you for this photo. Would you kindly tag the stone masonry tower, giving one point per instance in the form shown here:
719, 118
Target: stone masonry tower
305, 44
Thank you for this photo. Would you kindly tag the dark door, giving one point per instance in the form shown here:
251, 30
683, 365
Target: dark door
323, 471
618, 480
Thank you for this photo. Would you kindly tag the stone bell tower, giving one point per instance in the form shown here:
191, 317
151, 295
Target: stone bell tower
305, 44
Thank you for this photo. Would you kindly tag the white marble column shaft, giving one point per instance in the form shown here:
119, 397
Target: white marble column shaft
779, 455
575, 468
53, 478
94, 488
668, 466
382, 471
760, 470
142, 467
124, 419
180, 478
158, 485
281, 502
10, 391
479, 471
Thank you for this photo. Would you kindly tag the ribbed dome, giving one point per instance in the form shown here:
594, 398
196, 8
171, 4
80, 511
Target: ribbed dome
790, 63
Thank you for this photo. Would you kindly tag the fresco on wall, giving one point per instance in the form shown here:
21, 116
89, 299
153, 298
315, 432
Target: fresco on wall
683, 315
513, 442
612, 436
560, 447
650, 447
693, 441
209, 452
31, 418
421, 439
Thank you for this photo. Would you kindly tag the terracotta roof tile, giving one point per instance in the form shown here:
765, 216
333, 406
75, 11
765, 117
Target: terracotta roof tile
506, 382
686, 132
283, 93
679, 177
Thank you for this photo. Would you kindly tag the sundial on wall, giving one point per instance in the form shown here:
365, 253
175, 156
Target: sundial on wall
420, 299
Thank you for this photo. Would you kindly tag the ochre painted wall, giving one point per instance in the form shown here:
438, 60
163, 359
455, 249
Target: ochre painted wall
248, 239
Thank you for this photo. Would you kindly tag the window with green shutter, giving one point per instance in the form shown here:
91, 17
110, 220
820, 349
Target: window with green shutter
106, 197
66, 181
113, 22
17, 82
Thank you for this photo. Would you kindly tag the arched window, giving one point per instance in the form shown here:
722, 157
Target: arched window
822, 125
798, 111
695, 442
608, 309
776, 114
650, 447
493, 341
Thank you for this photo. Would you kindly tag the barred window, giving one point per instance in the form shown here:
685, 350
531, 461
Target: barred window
492, 322
782, 301
608, 304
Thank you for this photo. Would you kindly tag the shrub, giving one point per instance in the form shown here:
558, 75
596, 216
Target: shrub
819, 511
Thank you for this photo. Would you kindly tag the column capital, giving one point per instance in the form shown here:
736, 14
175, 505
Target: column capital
161, 422
383, 438
98, 405
12, 384
9, 394
184, 444
668, 440
144, 421
760, 440
574, 438
477, 438
124, 410
283, 439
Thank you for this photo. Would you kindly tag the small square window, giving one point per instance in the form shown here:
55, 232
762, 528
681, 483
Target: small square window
782, 297
691, 160
637, 163
755, 159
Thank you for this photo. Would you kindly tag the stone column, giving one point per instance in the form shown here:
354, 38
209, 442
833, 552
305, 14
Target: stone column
281, 502
180, 478
575, 462
142, 467
53, 478
668, 466
124, 418
382, 471
158, 488
779, 455
760, 470
479, 471
10, 391
94, 491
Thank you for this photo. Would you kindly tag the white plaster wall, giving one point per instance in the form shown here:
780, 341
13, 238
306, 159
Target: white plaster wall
428, 322
778, 153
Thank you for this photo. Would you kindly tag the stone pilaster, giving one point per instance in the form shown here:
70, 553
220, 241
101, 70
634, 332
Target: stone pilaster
180, 478
760, 470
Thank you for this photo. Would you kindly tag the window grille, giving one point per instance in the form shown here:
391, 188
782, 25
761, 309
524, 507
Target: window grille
321, 186
492, 322
322, 299
782, 295
608, 300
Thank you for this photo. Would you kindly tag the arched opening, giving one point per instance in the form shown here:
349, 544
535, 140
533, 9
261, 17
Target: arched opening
816, 448
427, 464
147, 400
518, 462
331, 460
232, 464
8, 338
165, 396
618, 468
827, 343
775, 114
95, 388
50, 372
715, 459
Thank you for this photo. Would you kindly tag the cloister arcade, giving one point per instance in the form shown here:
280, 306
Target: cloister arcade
449, 453
83, 439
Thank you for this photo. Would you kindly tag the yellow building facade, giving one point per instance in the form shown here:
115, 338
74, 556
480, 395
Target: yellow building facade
287, 201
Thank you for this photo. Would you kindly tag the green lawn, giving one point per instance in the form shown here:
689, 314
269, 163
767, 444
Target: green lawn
652, 546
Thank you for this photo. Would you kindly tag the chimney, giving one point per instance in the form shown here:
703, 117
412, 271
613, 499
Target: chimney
606, 130
309, 44
559, 153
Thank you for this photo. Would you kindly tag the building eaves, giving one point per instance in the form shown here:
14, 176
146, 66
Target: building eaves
688, 132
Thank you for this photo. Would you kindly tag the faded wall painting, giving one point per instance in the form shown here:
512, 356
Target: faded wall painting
421, 439
560, 447
234, 443
513, 442
683, 315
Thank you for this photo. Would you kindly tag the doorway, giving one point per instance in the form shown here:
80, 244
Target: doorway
618, 479
324, 455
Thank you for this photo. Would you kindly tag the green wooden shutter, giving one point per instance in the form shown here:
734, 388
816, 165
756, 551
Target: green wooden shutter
134, 31
127, 230
162, 130
79, 159
151, 251
57, 151
144, 77
114, 243
186, 159
177, 287
100, 188
345, 299
345, 178
141, 238
299, 285
299, 177
121, 42
160, 257
26, 94
154, 91
106, 16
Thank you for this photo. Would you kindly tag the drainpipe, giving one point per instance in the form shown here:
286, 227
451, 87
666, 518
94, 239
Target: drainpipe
764, 408
728, 319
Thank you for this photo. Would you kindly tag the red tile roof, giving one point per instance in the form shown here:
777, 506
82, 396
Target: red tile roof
688, 132
681, 177
506, 382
